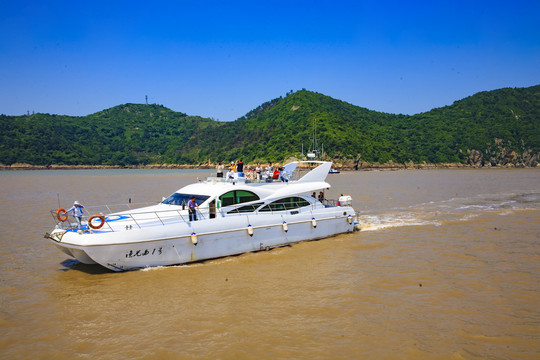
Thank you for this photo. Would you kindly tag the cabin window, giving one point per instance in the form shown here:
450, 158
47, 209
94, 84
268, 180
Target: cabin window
182, 199
237, 197
245, 209
227, 198
293, 202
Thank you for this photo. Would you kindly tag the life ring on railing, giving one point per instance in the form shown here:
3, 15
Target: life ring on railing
61, 214
101, 219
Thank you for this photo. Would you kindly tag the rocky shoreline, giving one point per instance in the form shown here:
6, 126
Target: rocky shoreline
361, 166
496, 155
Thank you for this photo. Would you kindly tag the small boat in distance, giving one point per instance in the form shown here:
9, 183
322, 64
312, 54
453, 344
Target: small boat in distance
234, 216
333, 171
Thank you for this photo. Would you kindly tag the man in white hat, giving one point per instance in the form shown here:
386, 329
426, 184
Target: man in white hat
77, 213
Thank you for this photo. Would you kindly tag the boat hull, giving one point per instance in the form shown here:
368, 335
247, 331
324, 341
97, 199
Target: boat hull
183, 243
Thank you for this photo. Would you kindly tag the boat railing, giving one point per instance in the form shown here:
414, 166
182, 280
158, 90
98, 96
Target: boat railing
245, 180
252, 177
330, 202
115, 222
114, 208
273, 207
108, 218
71, 221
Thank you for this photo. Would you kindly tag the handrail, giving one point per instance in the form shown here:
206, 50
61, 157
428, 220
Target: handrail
263, 180
164, 218
296, 174
157, 215
257, 204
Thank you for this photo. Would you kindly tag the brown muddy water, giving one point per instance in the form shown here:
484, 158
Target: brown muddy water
447, 266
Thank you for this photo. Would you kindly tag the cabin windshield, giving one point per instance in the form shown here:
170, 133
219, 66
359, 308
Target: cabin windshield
182, 199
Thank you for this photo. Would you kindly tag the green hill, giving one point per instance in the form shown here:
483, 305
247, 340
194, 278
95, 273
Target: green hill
509, 117
493, 127
123, 135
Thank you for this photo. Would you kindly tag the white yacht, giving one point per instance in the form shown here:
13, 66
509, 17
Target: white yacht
234, 216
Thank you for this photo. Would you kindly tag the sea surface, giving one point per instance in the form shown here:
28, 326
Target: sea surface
447, 266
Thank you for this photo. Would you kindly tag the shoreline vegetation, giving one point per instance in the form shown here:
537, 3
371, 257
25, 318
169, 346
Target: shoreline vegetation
363, 166
498, 128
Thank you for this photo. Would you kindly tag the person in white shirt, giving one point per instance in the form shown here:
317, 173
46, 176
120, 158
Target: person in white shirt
219, 169
283, 175
269, 170
258, 170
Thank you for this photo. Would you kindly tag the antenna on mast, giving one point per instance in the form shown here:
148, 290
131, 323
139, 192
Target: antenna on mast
314, 153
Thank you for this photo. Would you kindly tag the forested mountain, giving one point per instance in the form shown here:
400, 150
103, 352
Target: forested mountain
125, 134
493, 126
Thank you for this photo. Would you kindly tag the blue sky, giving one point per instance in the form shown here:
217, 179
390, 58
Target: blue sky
220, 59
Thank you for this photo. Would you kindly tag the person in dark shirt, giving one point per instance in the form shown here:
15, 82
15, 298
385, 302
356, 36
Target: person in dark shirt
240, 168
192, 208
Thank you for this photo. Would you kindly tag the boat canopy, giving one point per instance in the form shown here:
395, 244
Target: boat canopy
318, 174
297, 188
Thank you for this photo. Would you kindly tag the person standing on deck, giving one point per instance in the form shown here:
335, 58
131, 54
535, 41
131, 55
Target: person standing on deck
192, 208
240, 168
219, 169
258, 171
283, 176
269, 170
77, 210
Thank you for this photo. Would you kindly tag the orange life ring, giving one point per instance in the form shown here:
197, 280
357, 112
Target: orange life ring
61, 214
100, 217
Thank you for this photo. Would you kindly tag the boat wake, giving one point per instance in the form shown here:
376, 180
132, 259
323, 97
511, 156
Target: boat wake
458, 209
379, 222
